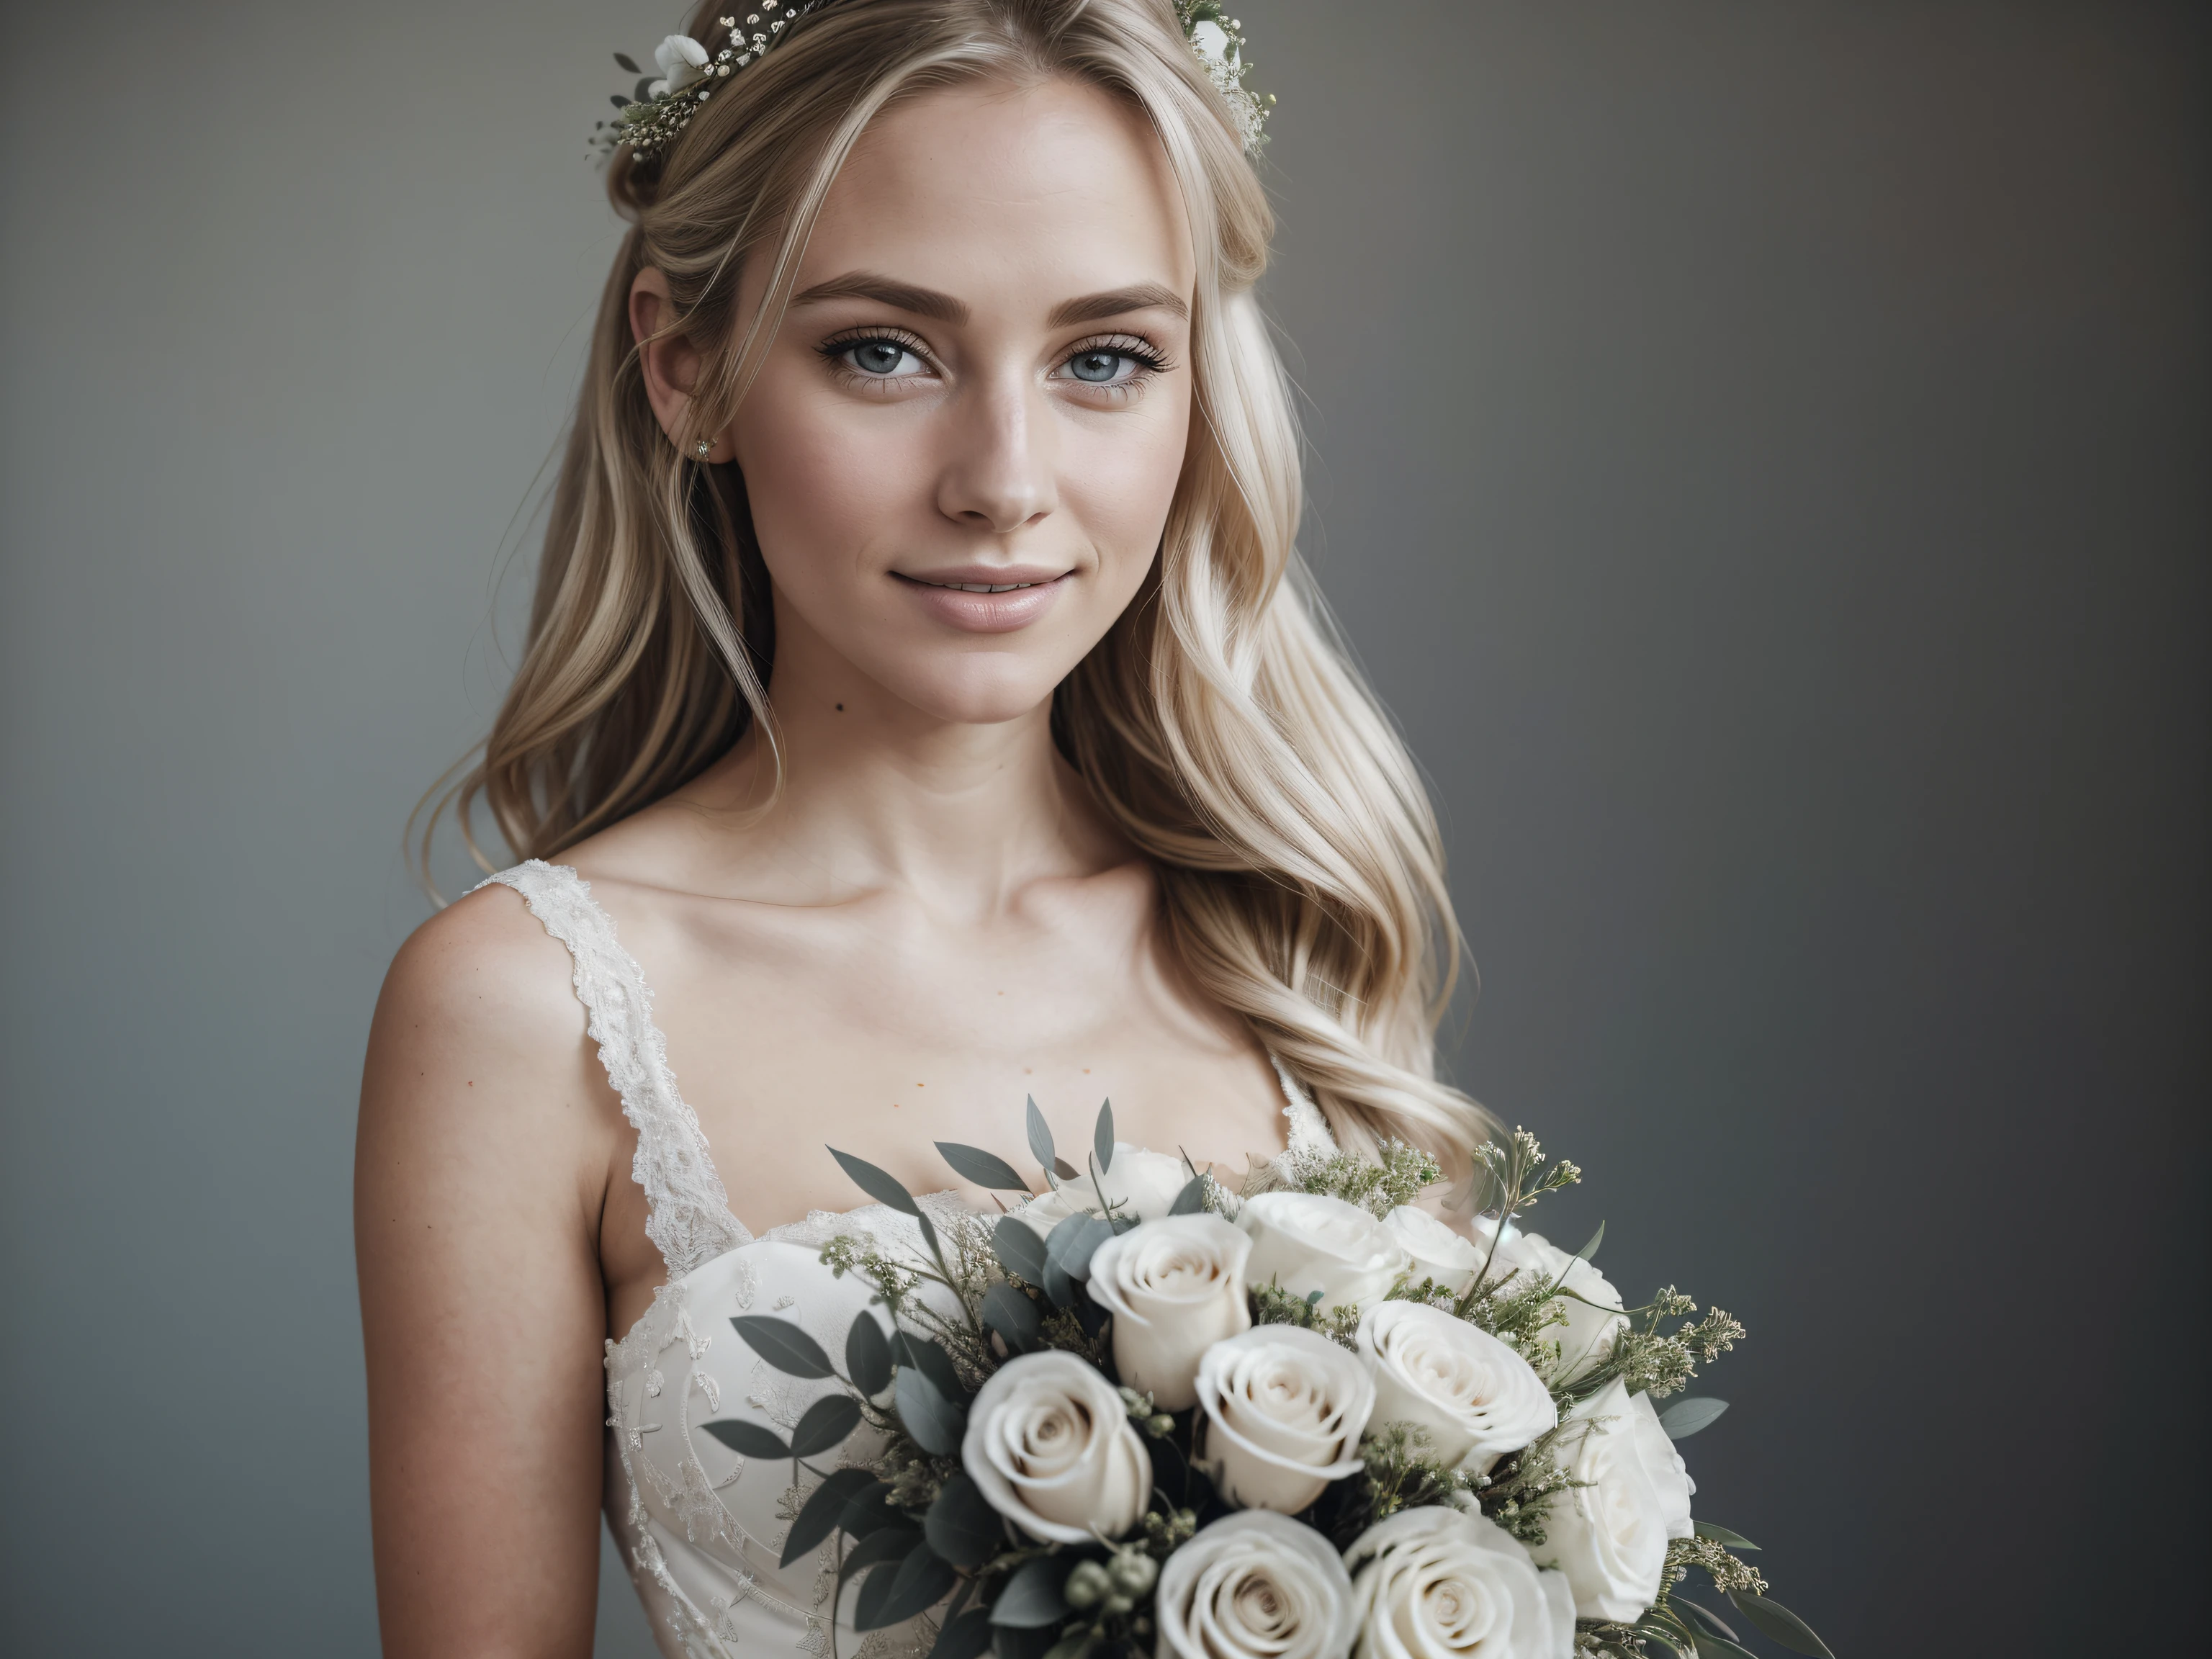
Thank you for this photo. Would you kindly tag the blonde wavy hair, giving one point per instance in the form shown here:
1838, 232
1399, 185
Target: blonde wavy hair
1218, 723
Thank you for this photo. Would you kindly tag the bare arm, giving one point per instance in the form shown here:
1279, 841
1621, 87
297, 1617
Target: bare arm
479, 1178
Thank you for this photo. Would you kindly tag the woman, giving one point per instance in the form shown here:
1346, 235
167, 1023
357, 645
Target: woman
924, 699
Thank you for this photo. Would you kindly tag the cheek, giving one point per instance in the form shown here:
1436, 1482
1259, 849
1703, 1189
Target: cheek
1117, 481
826, 490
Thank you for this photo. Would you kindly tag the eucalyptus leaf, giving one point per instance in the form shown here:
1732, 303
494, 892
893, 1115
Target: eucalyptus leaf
822, 1513
747, 1439
878, 1184
935, 1424
826, 1424
1723, 1537
924, 1579
1719, 1647
618, 101
1779, 1624
1589, 1252
1191, 1201
1040, 1133
626, 61
1019, 1250
643, 89
961, 1526
927, 1353
966, 1636
876, 1589
1685, 1417
1074, 1242
1066, 1171
1063, 1290
868, 1356
1102, 1137
1701, 1617
783, 1345
891, 1544
1032, 1596
1014, 1316
984, 1168
869, 1511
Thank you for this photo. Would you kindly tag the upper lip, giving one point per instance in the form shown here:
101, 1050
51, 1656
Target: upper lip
985, 575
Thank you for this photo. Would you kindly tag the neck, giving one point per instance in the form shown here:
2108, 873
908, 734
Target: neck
877, 793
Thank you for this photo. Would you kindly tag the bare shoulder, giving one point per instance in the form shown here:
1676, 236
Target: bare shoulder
479, 1035
483, 966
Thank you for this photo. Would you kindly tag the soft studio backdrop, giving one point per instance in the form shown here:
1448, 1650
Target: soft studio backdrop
1760, 454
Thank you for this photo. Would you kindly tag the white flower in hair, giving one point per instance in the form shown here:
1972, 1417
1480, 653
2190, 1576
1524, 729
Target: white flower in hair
682, 60
1213, 43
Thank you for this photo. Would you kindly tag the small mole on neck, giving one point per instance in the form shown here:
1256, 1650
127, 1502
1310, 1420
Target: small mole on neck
841, 708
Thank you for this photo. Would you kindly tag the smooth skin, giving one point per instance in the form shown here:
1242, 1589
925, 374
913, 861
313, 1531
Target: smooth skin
984, 379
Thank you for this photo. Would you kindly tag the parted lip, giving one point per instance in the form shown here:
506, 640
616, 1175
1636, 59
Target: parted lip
985, 578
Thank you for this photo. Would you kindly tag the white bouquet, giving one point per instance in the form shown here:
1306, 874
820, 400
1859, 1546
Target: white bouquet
1139, 1415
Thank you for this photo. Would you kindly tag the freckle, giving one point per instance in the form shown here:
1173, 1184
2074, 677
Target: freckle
841, 708
1026, 1071
1086, 1071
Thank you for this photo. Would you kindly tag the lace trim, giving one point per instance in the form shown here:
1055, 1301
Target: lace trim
688, 1209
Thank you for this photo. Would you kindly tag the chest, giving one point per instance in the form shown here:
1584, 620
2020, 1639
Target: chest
880, 1031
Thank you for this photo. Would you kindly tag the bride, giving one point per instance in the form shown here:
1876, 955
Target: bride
924, 699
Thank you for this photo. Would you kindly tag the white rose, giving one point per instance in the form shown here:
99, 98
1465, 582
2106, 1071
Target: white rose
1436, 1583
1175, 1286
1051, 1445
1477, 1398
1306, 1243
1141, 1184
1609, 1532
1283, 1409
1670, 1475
1438, 1253
1586, 1336
680, 58
1254, 1585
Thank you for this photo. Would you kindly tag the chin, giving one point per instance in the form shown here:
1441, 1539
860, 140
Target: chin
983, 688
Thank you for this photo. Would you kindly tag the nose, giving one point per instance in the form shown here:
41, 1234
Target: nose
999, 467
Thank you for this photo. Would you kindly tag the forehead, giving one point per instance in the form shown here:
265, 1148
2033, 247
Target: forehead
1010, 195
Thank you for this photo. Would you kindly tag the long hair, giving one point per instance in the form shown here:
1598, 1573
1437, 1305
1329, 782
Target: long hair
1218, 723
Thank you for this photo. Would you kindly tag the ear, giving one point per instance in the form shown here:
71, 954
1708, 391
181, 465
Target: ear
671, 366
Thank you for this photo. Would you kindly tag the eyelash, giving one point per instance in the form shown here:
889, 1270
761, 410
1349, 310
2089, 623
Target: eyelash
1149, 358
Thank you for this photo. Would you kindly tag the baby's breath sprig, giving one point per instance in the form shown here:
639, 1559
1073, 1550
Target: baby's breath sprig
1517, 1176
1274, 1305
1652, 1359
657, 111
1397, 1174
1218, 40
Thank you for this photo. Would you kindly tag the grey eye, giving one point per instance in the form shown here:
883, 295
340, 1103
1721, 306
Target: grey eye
877, 356
1094, 366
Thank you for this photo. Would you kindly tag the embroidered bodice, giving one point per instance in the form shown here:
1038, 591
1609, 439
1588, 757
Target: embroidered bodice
701, 1529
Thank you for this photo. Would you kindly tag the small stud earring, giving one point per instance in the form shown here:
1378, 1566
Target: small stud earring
706, 447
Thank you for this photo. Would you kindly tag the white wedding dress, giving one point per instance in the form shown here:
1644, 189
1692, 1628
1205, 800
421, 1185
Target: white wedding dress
701, 1527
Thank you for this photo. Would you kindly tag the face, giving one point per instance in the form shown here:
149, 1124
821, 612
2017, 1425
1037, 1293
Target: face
961, 450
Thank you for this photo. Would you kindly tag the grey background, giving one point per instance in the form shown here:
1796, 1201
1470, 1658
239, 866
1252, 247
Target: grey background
1760, 452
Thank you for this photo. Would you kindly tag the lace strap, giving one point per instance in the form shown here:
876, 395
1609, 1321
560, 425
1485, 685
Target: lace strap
688, 1210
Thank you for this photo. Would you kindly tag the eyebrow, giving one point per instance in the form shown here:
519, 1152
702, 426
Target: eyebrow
928, 303
900, 296
1096, 307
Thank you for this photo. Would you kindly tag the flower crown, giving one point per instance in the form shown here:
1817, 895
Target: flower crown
657, 110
